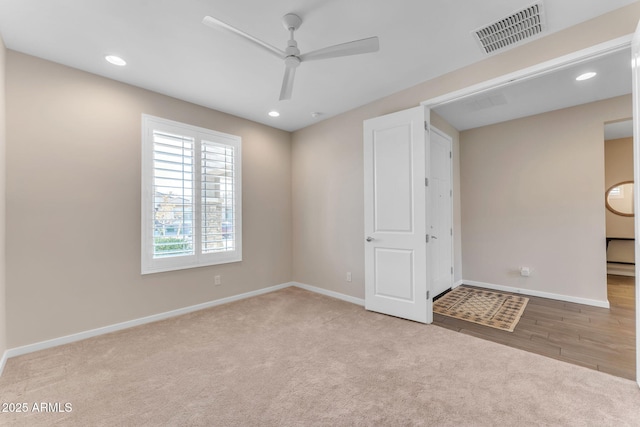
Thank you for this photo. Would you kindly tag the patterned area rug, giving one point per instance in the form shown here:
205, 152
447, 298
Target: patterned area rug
493, 309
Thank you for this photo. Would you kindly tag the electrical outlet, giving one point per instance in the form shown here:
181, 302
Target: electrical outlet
348, 276
217, 280
525, 271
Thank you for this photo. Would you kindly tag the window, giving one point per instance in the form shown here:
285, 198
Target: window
191, 196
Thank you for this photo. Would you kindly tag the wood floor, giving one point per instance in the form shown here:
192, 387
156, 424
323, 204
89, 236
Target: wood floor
597, 338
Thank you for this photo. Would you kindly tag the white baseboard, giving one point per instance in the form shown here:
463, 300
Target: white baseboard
343, 297
533, 293
456, 284
30, 348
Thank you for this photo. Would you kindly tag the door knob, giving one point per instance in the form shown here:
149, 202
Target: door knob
369, 238
434, 237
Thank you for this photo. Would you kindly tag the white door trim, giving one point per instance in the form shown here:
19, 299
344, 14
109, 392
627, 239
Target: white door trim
635, 76
450, 141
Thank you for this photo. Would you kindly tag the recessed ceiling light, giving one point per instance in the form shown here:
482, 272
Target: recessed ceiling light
274, 113
115, 60
586, 76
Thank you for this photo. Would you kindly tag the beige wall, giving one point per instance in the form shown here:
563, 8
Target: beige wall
618, 156
73, 208
3, 317
327, 157
532, 191
73, 204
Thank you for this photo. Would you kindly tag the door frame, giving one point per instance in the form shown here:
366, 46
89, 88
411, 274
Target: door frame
635, 76
448, 137
542, 68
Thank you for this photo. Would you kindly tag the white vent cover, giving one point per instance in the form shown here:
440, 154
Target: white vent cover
515, 29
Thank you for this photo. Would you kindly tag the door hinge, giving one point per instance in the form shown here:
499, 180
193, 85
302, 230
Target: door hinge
450, 193
426, 125
450, 155
426, 182
427, 294
451, 231
427, 237
451, 270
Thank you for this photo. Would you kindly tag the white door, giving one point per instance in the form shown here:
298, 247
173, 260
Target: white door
440, 213
395, 149
635, 61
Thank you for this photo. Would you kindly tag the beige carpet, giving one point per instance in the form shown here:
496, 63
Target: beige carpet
295, 358
494, 309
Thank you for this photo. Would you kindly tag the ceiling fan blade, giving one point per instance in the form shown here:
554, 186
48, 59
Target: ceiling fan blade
216, 23
345, 49
287, 83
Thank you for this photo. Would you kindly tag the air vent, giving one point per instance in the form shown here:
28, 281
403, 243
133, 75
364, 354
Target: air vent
515, 29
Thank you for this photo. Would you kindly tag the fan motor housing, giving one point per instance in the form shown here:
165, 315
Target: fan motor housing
291, 21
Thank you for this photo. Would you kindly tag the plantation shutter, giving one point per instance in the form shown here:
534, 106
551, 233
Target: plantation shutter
173, 180
218, 197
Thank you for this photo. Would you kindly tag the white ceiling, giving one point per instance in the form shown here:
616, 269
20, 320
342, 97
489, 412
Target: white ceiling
168, 50
547, 92
617, 130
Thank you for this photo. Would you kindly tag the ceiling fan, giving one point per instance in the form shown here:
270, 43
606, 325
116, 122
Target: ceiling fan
291, 55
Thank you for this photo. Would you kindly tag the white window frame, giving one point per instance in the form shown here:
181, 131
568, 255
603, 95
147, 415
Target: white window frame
149, 264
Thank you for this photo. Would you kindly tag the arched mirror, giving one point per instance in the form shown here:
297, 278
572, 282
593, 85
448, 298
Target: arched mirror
619, 198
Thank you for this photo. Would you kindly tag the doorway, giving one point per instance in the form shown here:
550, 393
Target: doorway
464, 95
618, 177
